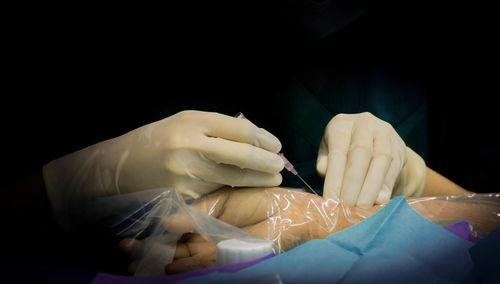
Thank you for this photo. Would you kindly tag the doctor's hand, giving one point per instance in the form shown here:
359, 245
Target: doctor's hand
364, 161
193, 152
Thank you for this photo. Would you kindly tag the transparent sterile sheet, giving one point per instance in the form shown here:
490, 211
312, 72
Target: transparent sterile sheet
480, 211
164, 234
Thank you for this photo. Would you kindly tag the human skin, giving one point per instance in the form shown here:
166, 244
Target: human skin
438, 185
291, 217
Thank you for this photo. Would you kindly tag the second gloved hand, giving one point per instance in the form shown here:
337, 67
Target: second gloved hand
193, 152
364, 161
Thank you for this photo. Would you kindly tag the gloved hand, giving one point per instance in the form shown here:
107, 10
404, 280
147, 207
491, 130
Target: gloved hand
364, 161
193, 152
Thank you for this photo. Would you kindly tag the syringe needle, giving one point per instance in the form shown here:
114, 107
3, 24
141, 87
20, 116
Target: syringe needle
291, 169
288, 165
308, 186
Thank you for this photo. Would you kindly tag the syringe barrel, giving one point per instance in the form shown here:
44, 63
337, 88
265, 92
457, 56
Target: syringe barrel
288, 165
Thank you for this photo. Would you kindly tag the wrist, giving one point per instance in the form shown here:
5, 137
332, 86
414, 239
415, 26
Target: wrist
73, 179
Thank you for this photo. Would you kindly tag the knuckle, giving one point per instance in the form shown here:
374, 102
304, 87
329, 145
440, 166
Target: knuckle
330, 126
387, 125
402, 143
385, 156
366, 115
358, 147
339, 116
339, 125
184, 113
187, 115
176, 140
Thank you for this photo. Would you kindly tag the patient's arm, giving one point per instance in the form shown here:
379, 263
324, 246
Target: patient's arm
480, 210
286, 216
438, 185
291, 217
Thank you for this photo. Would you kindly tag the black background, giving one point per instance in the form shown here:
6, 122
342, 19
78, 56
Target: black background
79, 74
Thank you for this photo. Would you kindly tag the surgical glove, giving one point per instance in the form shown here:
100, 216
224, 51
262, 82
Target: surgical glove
364, 161
193, 152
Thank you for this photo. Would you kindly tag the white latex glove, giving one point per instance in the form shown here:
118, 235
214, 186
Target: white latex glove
364, 161
193, 152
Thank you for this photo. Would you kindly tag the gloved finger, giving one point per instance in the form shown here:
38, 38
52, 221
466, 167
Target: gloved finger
235, 176
377, 171
389, 181
241, 130
242, 155
338, 138
358, 160
384, 195
322, 160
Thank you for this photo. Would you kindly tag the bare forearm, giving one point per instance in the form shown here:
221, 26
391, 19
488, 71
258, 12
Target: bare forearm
438, 185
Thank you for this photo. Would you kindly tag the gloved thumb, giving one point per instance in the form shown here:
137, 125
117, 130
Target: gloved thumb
322, 161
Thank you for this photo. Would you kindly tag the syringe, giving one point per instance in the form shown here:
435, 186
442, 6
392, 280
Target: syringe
291, 169
288, 165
